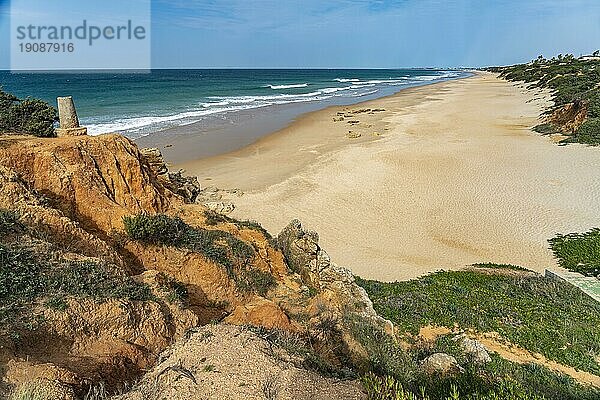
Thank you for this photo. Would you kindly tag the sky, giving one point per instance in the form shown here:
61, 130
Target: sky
359, 33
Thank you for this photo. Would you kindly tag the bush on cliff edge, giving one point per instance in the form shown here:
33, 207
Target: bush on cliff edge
32, 116
218, 246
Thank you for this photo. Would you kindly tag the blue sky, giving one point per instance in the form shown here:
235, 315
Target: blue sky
360, 33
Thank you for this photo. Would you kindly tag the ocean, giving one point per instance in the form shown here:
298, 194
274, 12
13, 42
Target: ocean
140, 104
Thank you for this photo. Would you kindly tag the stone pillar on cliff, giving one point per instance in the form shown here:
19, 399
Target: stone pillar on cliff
69, 123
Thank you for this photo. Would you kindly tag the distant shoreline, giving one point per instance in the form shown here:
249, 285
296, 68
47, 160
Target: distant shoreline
225, 135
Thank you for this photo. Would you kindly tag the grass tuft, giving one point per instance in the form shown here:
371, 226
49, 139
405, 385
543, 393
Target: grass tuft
9, 222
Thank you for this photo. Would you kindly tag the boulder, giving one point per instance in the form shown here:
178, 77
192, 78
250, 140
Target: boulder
475, 350
441, 363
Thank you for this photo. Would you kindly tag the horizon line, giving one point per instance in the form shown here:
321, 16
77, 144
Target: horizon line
230, 68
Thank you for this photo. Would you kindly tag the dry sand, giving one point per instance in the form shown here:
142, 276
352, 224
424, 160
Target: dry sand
448, 175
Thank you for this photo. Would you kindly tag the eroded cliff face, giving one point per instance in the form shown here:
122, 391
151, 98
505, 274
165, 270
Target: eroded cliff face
93, 180
570, 116
71, 195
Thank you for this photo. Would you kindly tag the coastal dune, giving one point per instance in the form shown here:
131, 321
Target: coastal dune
434, 177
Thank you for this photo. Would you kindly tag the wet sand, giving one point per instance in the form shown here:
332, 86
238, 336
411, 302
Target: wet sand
447, 175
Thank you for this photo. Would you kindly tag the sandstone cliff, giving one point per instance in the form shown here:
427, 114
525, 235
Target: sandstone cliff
70, 196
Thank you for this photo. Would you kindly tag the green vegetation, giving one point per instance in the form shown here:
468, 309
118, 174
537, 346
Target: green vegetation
29, 391
500, 266
388, 388
578, 252
572, 81
539, 314
254, 280
547, 128
156, 229
176, 291
9, 222
305, 350
28, 278
214, 218
218, 246
587, 133
209, 368
395, 372
31, 116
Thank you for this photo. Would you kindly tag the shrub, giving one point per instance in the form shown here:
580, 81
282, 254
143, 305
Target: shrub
255, 280
156, 229
214, 218
578, 252
96, 280
31, 116
593, 100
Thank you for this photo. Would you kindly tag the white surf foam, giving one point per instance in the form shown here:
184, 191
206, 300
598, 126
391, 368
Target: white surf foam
137, 124
297, 85
224, 104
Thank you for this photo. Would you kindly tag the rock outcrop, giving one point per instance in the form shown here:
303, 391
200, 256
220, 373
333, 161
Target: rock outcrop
94, 180
187, 187
570, 116
335, 285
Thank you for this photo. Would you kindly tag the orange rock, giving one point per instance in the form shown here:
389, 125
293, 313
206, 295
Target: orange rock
261, 312
94, 179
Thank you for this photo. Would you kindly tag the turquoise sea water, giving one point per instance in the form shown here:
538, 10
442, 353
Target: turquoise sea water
138, 104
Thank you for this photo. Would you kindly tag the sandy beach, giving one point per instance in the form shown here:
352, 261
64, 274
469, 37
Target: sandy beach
441, 176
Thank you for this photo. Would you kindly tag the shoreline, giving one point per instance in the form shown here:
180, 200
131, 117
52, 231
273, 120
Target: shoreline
227, 178
218, 135
448, 175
